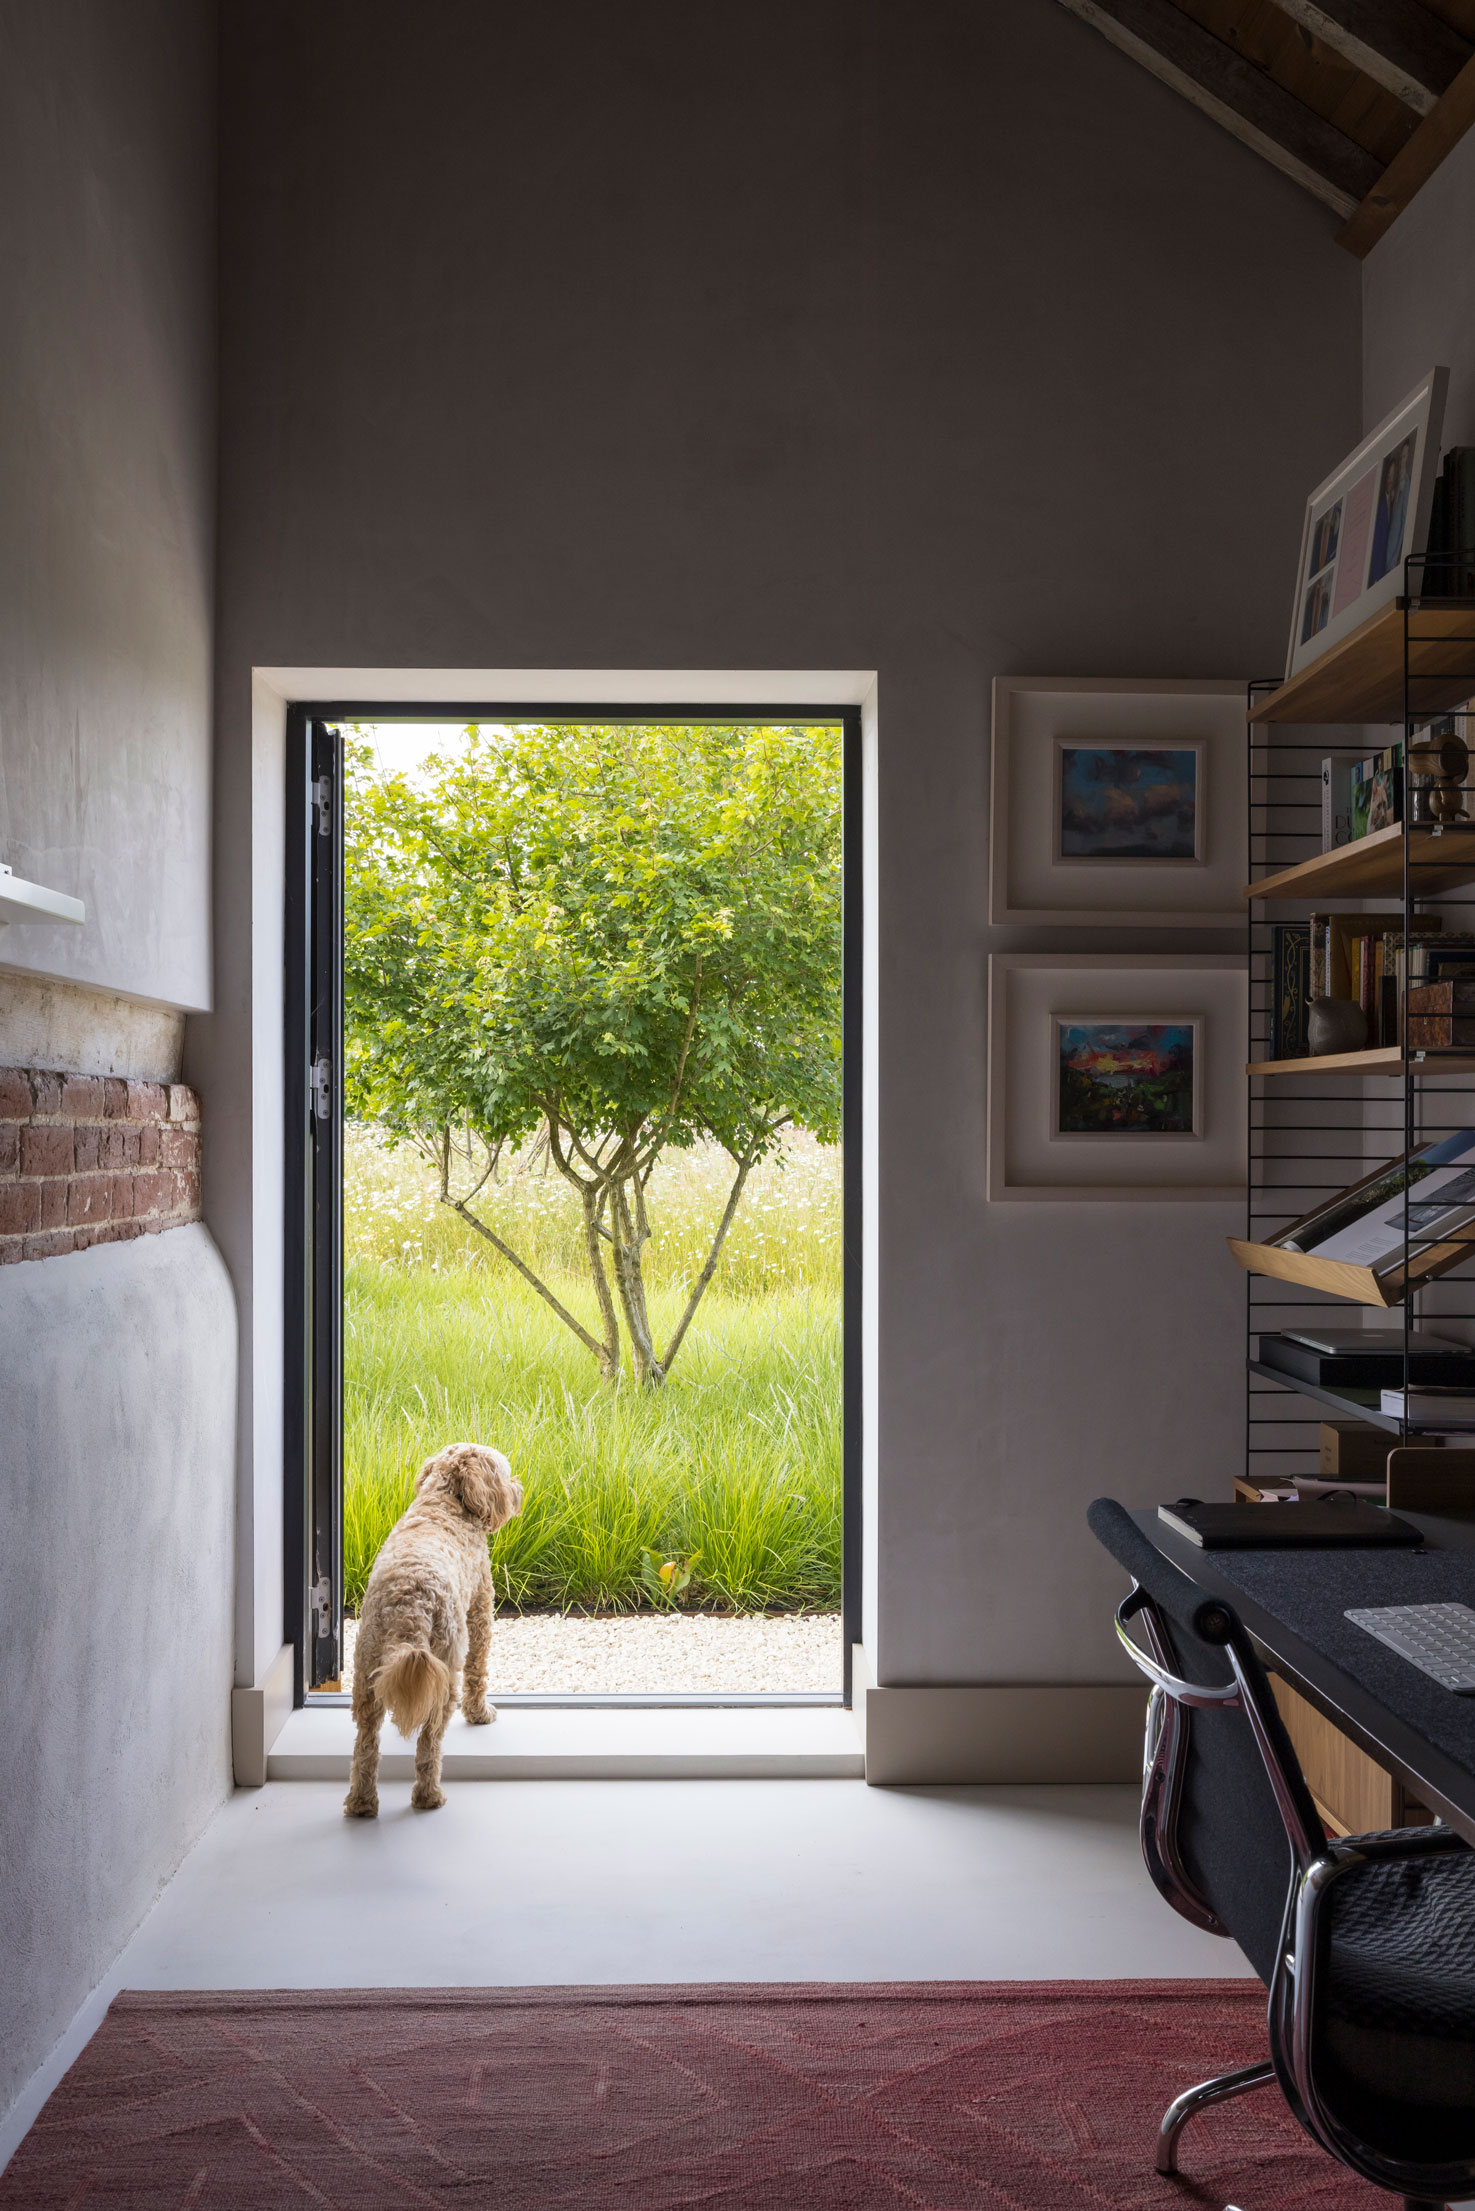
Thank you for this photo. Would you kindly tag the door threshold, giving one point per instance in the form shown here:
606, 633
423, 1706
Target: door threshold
563, 1742
631, 1700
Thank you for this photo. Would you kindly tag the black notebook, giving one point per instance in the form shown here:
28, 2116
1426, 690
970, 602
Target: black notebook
1281, 1527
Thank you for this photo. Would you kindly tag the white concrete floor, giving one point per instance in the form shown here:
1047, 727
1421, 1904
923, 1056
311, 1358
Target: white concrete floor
612, 1881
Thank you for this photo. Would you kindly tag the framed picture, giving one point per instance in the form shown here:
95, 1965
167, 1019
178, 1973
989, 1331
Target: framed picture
1118, 801
1116, 1076
1134, 1076
1363, 522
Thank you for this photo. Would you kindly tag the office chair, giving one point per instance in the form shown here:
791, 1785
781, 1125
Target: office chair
1366, 1945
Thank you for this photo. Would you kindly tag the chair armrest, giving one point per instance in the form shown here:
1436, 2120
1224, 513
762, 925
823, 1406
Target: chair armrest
1199, 1695
1407, 1842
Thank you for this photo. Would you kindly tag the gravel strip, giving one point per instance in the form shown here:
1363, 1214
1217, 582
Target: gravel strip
645, 1654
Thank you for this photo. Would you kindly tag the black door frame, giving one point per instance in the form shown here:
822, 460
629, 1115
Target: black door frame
313, 1423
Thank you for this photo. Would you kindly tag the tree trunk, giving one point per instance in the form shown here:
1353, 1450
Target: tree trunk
607, 1353
745, 1168
629, 1245
609, 1360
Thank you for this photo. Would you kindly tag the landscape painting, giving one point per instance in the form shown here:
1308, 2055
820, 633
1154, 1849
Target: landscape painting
1130, 1078
1121, 802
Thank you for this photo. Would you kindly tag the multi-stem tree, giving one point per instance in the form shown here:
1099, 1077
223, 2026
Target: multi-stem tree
613, 940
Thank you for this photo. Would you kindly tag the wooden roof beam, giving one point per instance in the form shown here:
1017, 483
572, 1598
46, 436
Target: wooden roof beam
1221, 83
1441, 130
1399, 44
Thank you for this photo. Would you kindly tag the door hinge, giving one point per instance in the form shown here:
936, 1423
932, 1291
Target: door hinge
325, 1652
322, 804
322, 1089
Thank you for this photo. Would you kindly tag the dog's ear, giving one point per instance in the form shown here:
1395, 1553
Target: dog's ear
480, 1481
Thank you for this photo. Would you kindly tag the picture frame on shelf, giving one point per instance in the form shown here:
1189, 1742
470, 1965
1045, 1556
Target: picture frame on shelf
1116, 1076
1363, 521
1117, 801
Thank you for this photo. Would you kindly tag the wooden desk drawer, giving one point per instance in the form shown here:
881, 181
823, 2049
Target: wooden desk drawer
1354, 1795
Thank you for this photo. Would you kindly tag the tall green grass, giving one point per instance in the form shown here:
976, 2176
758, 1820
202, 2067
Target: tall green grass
736, 1460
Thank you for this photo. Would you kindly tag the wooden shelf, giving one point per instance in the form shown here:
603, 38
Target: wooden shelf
1382, 1060
1361, 680
1440, 860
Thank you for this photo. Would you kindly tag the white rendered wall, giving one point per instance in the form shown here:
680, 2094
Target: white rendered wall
938, 342
107, 463
117, 1365
1419, 299
117, 1401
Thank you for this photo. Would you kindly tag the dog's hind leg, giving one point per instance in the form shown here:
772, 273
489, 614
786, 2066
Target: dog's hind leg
427, 1794
478, 1639
362, 1800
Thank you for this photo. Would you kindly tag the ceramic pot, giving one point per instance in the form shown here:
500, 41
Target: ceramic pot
1335, 1025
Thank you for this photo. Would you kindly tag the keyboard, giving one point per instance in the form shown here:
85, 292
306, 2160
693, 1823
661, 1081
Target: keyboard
1438, 1639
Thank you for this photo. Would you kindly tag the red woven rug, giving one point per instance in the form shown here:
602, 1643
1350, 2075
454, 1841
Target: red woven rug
1005, 2096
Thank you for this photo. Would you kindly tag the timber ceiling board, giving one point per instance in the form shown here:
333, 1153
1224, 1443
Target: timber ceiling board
1358, 100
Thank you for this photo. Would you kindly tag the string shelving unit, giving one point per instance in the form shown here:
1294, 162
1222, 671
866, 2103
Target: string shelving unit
1317, 1125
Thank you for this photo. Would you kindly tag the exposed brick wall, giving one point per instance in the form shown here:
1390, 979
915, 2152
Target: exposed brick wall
93, 1159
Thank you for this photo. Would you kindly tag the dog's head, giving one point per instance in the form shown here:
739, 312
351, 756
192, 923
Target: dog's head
475, 1479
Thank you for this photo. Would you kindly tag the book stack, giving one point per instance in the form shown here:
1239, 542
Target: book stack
1363, 957
1442, 956
1441, 1016
1360, 794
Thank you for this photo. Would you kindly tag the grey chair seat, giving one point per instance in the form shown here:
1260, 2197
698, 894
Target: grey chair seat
1400, 1979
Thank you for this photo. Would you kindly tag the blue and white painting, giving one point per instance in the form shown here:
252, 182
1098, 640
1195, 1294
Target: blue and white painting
1128, 803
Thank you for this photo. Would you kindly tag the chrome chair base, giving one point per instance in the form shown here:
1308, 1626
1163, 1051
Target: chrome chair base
1192, 2100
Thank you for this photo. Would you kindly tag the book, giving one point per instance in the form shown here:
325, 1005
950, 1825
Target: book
1442, 1409
1442, 1014
1290, 992
1461, 458
1316, 982
1448, 572
1365, 959
1251, 1527
1336, 799
1430, 958
1377, 791
1435, 577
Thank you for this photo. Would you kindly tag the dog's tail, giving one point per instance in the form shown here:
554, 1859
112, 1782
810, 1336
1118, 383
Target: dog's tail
411, 1684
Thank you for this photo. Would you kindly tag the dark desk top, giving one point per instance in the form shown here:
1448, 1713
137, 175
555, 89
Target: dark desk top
1293, 1601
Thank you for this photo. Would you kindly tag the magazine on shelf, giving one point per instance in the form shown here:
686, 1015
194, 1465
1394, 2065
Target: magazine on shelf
1428, 1196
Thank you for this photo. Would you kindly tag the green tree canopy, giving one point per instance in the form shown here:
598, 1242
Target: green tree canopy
614, 938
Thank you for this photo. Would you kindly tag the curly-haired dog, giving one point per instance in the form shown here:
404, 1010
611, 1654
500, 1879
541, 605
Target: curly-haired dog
426, 1616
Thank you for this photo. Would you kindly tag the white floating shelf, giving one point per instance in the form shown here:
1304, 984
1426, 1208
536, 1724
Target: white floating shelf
22, 901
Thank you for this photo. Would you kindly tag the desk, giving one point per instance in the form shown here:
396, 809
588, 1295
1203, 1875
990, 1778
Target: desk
1293, 1601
